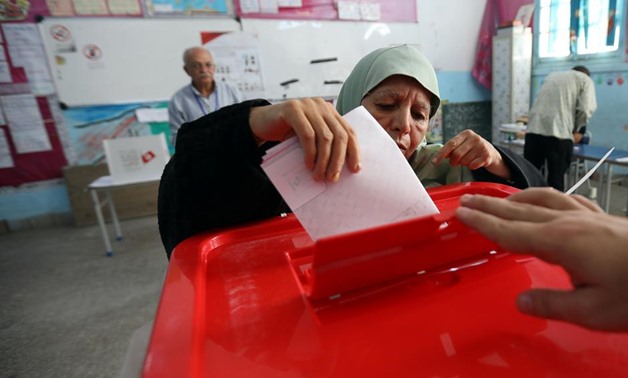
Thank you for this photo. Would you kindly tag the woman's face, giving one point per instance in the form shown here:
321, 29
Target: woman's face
402, 106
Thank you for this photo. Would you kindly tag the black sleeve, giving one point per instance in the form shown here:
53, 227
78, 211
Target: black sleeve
214, 178
522, 173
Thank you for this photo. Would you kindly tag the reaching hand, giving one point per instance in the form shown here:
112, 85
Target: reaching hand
569, 231
471, 150
327, 139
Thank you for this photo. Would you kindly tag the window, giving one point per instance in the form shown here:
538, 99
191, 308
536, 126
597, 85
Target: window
578, 27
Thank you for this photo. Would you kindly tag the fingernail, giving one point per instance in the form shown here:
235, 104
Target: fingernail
357, 168
465, 198
463, 212
335, 177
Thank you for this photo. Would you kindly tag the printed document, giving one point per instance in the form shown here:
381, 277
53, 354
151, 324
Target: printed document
386, 190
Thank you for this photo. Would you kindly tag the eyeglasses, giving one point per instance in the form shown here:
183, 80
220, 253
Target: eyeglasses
198, 66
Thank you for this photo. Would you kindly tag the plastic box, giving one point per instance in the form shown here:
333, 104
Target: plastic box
425, 297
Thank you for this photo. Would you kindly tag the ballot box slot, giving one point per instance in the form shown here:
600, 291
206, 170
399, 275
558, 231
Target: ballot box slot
354, 264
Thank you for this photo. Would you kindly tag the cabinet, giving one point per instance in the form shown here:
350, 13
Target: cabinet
512, 60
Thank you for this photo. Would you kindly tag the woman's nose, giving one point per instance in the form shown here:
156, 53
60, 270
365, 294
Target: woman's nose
402, 121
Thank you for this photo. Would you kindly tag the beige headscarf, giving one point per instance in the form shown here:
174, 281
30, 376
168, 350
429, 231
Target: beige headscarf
379, 65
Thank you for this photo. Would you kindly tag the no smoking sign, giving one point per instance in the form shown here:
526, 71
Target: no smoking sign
92, 52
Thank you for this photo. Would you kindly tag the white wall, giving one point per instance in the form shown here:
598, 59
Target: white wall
449, 31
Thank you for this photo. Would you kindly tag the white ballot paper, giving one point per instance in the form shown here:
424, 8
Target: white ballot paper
386, 189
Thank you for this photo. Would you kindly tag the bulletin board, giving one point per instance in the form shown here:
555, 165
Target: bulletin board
116, 61
34, 166
32, 140
313, 58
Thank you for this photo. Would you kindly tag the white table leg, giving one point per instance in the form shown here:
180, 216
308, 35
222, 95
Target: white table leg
114, 216
101, 222
600, 186
609, 181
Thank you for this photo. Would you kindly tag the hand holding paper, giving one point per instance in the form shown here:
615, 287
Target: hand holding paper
327, 140
385, 190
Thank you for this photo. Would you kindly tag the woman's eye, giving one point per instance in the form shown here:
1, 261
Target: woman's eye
418, 116
386, 106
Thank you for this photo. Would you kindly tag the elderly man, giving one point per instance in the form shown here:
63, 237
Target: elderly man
203, 95
564, 105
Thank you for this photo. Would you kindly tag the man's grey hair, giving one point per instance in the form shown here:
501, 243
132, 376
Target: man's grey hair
188, 51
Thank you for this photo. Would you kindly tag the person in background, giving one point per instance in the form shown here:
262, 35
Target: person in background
214, 179
203, 95
572, 232
579, 135
564, 104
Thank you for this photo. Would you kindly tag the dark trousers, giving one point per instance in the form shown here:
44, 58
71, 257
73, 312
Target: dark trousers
555, 153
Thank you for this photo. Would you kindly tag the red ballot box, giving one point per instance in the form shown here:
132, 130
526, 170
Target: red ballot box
423, 297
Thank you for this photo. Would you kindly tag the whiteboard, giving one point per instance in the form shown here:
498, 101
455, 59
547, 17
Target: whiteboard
287, 48
122, 60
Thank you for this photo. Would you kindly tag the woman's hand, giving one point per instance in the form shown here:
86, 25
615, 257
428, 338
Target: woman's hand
471, 150
327, 139
569, 231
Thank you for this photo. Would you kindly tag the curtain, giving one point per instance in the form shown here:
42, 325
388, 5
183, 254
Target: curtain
580, 18
574, 25
610, 29
495, 12
483, 68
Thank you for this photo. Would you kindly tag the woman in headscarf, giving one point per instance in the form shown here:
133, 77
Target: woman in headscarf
398, 86
215, 179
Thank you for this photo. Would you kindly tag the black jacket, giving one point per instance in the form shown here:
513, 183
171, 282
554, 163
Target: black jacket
214, 180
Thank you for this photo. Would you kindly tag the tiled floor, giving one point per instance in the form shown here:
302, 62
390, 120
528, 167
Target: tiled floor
67, 309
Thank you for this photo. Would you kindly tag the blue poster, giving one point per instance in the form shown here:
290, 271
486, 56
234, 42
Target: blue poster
186, 7
88, 126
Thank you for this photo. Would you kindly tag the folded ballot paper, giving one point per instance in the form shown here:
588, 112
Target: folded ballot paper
386, 189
